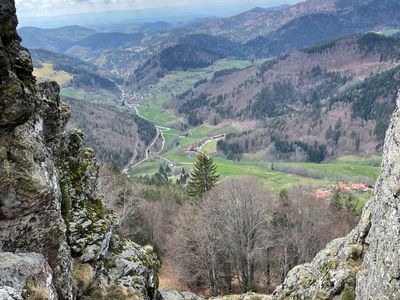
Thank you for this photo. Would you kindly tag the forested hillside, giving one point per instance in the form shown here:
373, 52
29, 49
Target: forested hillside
314, 94
220, 45
181, 57
316, 27
58, 39
116, 135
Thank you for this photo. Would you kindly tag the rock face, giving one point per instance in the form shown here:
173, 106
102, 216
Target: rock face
50, 213
366, 263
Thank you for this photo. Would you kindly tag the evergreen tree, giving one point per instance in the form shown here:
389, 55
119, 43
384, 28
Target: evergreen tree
204, 175
336, 197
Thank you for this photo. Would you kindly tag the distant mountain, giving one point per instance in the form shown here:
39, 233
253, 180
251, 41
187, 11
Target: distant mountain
286, 29
302, 95
58, 39
348, 18
257, 33
171, 14
135, 27
259, 21
217, 44
108, 40
181, 57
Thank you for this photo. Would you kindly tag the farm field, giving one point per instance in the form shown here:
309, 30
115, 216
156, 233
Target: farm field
276, 179
48, 73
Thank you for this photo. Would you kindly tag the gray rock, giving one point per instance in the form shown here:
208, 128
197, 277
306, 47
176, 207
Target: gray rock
175, 295
9, 293
25, 272
128, 264
381, 279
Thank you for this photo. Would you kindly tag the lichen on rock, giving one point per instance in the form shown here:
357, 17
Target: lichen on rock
24, 275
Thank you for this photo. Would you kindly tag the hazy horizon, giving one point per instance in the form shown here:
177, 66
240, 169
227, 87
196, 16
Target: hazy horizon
45, 13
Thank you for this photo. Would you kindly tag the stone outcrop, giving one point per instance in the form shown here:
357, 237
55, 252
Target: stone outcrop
366, 263
50, 212
175, 295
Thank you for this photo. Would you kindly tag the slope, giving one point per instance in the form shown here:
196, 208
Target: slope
181, 57
295, 90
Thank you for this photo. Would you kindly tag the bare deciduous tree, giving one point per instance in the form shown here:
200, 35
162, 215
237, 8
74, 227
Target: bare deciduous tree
225, 237
121, 194
303, 225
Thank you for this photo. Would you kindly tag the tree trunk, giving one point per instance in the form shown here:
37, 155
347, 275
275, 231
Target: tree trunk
268, 272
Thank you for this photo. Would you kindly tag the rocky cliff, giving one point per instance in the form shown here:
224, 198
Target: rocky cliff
366, 263
57, 240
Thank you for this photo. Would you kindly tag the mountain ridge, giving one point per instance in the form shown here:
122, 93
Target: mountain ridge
296, 88
270, 33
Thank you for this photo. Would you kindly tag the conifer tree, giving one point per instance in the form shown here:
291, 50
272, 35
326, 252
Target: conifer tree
204, 175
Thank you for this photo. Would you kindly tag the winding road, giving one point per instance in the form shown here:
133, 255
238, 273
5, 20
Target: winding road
160, 133
131, 165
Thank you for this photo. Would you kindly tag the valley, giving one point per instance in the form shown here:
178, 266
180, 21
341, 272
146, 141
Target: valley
231, 149
155, 103
275, 176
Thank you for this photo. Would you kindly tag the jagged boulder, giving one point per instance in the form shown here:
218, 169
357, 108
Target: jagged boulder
366, 263
9, 293
128, 264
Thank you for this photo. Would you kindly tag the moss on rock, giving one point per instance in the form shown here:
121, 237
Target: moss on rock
3, 153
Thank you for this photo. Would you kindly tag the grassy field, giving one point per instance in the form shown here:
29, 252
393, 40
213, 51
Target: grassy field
210, 147
153, 109
82, 94
275, 175
181, 81
206, 131
274, 179
347, 168
63, 78
48, 73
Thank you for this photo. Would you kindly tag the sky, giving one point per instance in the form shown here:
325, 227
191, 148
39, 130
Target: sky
49, 8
